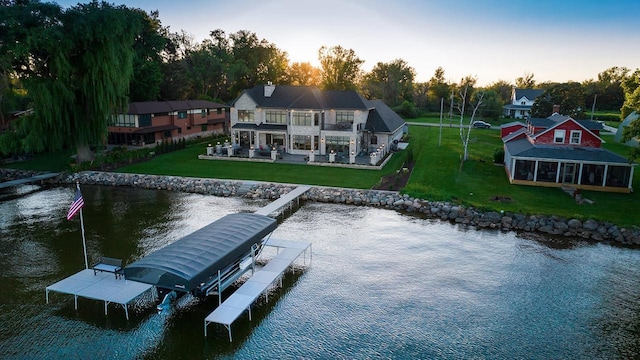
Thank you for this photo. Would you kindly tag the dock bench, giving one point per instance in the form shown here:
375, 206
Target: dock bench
108, 264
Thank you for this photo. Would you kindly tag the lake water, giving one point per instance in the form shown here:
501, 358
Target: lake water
381, 285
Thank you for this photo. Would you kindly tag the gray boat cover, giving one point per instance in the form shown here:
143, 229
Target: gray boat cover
190, 261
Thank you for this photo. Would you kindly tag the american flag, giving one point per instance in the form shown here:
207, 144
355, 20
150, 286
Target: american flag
76, 205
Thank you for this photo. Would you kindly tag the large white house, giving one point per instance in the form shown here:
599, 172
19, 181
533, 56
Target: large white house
521, 102
300, 119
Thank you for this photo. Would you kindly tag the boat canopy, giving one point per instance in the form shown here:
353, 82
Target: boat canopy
190, 261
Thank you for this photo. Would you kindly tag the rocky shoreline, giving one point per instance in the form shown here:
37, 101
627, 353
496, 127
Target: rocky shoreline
467, 216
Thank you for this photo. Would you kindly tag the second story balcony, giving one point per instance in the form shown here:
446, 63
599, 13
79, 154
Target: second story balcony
342, 126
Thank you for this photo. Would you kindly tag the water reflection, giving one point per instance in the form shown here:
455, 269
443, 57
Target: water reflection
382, 285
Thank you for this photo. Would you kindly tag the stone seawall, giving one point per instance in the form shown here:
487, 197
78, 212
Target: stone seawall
467, 216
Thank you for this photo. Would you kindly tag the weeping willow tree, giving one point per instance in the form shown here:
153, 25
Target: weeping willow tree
76, 64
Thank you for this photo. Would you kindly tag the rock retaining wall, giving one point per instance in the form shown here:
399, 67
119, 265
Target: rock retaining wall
468, 216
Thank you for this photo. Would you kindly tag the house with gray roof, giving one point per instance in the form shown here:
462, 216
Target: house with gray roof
559, 151
521, 102
151, 122
304, 119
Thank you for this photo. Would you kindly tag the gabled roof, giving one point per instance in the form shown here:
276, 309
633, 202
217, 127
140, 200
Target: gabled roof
560, 121
305, 97
522, 148
155, 107
530, 94
514, 135
513, 123
382, 118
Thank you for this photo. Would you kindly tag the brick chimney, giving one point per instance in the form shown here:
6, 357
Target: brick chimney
556, 109
269, 89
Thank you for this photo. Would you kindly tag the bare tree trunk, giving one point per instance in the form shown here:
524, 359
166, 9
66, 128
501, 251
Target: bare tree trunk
84, 153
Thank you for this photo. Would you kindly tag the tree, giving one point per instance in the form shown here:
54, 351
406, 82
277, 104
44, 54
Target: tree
631, 88
465, 129
439, 88
340, 68
526, 82
503, 88
303, 74
76, 64
147, 61
421, 95
569, 96
491, 104
392, 82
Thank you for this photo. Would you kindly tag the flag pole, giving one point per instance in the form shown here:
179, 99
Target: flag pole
84, 242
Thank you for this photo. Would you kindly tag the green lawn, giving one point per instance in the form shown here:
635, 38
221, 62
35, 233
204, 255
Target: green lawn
186, 163
438, 177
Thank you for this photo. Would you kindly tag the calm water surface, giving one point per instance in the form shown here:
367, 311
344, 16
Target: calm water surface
381, 285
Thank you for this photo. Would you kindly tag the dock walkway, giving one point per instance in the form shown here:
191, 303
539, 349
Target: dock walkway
283, 200
246, 295
34, 178
99, 286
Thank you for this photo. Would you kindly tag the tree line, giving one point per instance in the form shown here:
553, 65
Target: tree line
76, 66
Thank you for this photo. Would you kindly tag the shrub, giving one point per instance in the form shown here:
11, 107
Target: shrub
498, 156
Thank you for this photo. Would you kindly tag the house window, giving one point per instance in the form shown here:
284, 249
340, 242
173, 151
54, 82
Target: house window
219, 111
344, 117
576, 137
316, 119
144, 120
339, 144
276, 117
374, 140
245, 116
204, 112
182, 114
301, 118
558, 136
301, 142
123, 120
203, 127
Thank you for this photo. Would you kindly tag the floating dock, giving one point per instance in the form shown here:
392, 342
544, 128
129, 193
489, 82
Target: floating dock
283, 200
256, 285
100, 286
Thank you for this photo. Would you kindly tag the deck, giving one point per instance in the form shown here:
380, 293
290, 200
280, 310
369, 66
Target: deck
101, 286
246, 295
283, 200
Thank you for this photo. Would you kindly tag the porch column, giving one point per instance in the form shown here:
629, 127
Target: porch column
513, 168
580, 174
535, 172
630, 177
604, 175
558, 172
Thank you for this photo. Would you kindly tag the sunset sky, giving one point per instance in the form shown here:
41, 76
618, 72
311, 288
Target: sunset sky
491, 39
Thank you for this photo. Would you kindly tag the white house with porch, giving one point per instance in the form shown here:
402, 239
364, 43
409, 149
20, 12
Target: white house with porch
302, 119
521, 102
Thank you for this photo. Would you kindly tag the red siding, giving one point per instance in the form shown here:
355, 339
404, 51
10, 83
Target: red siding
510, 129
587, 139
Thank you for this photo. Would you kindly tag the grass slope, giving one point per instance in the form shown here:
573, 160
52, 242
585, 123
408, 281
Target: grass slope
437, 176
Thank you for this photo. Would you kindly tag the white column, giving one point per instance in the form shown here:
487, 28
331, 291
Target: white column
513, 169
630, 177
604, 175
580, 174
558, 172
535, 171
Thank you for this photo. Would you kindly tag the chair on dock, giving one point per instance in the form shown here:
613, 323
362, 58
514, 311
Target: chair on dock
108, 264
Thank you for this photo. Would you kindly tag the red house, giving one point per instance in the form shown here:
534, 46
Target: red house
560, 151
148, 123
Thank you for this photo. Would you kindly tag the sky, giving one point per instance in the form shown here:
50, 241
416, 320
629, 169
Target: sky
555, 40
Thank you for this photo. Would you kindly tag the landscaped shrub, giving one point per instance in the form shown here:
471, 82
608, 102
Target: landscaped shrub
498, 156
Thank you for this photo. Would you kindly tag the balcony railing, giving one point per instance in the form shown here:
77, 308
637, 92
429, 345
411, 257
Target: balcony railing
338, 127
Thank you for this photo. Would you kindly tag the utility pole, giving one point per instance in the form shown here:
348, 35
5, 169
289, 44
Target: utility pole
451, 107
441, 108
593, 107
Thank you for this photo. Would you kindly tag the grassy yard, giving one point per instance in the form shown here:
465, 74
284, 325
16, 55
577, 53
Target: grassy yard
437, 176
186, 163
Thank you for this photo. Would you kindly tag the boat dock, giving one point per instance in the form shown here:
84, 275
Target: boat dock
246, 295
34, 178
100, 286
283, 200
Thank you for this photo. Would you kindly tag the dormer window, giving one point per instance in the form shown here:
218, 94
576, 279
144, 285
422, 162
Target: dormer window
523, 103
576, 137
558, 136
